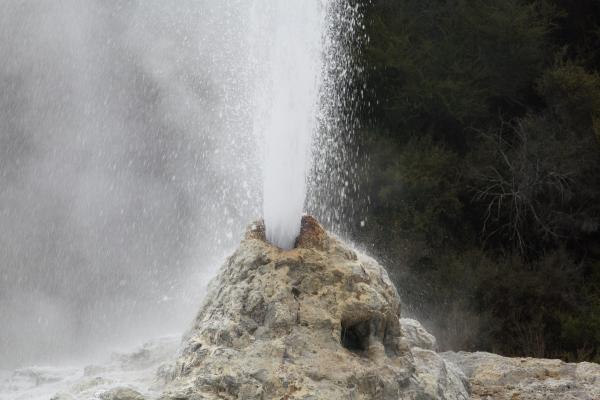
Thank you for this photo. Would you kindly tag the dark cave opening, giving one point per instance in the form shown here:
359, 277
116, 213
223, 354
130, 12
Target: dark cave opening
355, 336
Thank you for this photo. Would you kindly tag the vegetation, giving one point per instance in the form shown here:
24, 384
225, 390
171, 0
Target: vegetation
484, 141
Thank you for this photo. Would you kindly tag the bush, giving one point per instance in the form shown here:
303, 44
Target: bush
484, 182
573, 94
535, 187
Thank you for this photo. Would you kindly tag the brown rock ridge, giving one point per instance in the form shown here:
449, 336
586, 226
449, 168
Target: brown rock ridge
493, 377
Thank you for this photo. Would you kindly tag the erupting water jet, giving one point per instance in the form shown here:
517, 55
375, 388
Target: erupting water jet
289, 49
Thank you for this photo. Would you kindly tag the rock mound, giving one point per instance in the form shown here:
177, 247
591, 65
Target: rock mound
322, 321
319, 321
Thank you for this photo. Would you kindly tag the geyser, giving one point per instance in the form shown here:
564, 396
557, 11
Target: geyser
289, 57
134, 139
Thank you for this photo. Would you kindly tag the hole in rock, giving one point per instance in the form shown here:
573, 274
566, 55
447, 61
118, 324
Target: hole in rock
355, 336
296, 292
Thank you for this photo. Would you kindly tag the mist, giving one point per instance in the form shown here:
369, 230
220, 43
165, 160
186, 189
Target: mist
127, 168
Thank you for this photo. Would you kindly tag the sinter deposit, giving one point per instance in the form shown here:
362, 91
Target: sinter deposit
320, 321
317, 322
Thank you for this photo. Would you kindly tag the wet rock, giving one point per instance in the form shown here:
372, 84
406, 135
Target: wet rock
319, 321
502, 378
149, 354
127, 376
322, 321
437, 378
121, 393
312, 235
37, 376
416, 335
62, 396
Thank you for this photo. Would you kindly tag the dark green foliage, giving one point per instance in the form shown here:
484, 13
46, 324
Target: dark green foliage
484, 181
573, 94
441, 65
416, 183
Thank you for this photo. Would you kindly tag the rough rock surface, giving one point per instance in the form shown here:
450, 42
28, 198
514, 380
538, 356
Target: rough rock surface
495, 377
316, 322
416, 336
121, 393
122, 376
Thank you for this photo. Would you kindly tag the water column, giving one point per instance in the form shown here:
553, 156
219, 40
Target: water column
287, 43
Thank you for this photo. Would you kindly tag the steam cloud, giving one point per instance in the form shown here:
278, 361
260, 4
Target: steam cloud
125, 170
